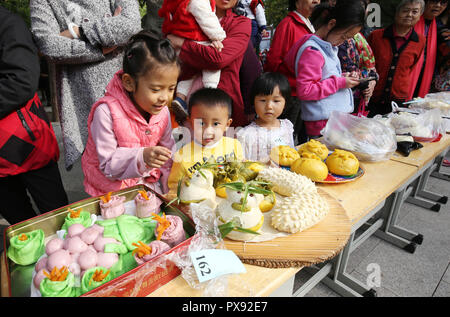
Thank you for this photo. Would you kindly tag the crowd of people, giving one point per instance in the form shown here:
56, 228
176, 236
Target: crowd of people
121, 90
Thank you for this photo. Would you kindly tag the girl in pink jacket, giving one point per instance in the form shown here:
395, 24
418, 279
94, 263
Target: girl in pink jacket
320, 84
130, 135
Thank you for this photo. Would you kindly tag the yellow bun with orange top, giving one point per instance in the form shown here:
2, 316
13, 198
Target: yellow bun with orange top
314, 146
342, 162
311, 166
284, 155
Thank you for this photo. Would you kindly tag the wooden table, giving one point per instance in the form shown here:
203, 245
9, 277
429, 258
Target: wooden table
373, 194
256, 282
395, 180
362, 199
427, 160
421, 157
380, 179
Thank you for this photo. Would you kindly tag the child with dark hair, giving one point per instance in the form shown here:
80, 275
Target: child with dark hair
130, 133
209, 117
270, 94
321, 85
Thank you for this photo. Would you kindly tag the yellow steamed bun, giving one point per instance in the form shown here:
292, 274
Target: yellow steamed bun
284, 155
342, 163
311, 166
314, 146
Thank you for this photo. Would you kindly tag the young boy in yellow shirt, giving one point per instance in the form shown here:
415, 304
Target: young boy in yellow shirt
210, 117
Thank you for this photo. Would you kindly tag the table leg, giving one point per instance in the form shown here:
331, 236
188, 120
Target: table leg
284, 290
437, 172
393, 233
318, 274
343, 283
420, 192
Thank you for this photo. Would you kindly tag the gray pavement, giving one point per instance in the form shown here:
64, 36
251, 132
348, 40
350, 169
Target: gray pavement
426, 273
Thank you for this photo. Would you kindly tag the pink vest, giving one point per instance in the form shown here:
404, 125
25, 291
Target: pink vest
130, 129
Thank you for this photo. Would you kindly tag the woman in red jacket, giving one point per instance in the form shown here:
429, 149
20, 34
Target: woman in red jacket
196, 57
288, 32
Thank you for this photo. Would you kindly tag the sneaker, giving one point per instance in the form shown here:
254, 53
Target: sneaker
179, 109
446, 163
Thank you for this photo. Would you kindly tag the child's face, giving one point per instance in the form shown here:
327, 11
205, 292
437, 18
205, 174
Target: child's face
153, 91
209, 123
269, 107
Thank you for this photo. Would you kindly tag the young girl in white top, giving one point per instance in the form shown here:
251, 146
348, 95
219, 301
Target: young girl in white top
270, 93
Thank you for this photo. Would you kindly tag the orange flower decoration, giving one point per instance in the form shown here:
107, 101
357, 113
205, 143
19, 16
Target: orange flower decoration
57, 275
98, 276
23, 237
106, 197
143, 194
163, 224
74, 214
141, 249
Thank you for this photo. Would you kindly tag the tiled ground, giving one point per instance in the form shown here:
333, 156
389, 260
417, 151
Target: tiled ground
425, 273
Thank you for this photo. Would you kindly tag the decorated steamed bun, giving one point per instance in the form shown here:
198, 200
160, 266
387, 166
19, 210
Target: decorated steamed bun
284, 155
314, 146
311, 166
342, 163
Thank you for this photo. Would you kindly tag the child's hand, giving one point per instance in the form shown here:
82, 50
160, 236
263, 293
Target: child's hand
156, 156
217, 45
351, 82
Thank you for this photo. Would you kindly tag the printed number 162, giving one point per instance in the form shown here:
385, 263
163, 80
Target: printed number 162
204, 266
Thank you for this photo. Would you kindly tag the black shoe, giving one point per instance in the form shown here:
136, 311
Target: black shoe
179, 109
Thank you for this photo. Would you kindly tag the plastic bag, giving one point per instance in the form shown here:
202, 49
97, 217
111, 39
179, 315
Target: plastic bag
440, 100
367, 138
207, 237
423, 127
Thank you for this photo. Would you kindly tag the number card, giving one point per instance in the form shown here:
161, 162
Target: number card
212, 263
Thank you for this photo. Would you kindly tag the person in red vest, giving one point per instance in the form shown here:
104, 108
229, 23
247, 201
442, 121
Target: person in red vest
287, 33
28, 147
425, 68
397, 48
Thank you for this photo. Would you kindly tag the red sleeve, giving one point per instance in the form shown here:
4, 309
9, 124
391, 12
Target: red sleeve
278, 49
310, 85
207, 57
286, 35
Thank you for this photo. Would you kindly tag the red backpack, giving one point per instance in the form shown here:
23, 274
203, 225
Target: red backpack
27, 140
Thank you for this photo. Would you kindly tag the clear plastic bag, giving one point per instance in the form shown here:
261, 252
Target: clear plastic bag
368, 139
424, 126
440, 100
207, 237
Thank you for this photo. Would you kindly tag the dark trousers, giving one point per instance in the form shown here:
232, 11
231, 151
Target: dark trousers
255, 35
293, 113
45, 187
